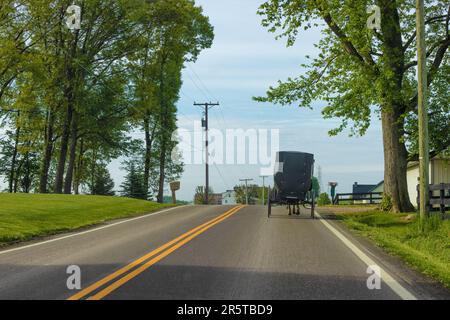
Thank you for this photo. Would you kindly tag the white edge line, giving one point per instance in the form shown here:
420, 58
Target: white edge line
386, 277
89, 231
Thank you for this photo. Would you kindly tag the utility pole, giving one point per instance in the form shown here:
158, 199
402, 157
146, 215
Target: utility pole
422, 111
206, 107
263, 190
246, 190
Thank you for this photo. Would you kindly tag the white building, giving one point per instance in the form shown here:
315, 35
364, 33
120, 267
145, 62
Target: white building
229, 197
439, 173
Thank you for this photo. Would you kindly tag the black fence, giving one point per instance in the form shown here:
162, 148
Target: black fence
371, 197
438, 202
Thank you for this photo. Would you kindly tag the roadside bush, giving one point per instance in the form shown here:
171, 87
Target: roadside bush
323, 199
386, 203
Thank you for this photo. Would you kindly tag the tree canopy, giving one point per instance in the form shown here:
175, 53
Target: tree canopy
359, 72
71, 101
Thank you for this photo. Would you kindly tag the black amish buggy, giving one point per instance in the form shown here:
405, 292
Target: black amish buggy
293, 182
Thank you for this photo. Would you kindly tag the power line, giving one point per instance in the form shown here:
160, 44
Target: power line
197, 86
186, 116
201, 82
186, 95
205, 91
227, 185
128, 104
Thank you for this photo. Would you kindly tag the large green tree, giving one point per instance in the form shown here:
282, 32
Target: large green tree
70, 100
360, 71
180, 33
62, 68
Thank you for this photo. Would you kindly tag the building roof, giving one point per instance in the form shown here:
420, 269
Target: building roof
228, 192
363, 188
379, 184
379, 187
441, 156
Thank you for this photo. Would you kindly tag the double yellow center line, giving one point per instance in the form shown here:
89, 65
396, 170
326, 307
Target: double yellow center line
150, 259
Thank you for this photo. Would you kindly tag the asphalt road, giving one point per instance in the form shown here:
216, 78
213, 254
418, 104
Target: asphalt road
204, 252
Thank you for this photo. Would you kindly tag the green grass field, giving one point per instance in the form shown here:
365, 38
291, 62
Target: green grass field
399, 234
25, 216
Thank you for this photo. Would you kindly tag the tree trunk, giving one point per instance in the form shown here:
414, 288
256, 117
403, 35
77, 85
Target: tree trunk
162, 168
148, 148
48, 150
17, 175
78, 170
93, 171
12, 172
395, 162
27, 174
72, 156
393, 109
163, 127
63, 150
149, 136
162, 163
69, 95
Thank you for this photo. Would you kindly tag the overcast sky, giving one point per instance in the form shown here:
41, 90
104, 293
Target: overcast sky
243, 62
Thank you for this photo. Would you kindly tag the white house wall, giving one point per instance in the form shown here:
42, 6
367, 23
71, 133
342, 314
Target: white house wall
439, 173
412, 176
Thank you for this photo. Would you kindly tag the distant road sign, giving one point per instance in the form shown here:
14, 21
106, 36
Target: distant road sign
175, 186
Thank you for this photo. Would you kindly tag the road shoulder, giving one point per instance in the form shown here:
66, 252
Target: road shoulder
422, 286
40, 240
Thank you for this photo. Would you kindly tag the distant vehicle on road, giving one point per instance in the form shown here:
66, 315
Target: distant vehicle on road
293, 182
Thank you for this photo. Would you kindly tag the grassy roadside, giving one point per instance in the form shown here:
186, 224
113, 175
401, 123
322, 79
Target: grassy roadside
25, 216
399, 235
